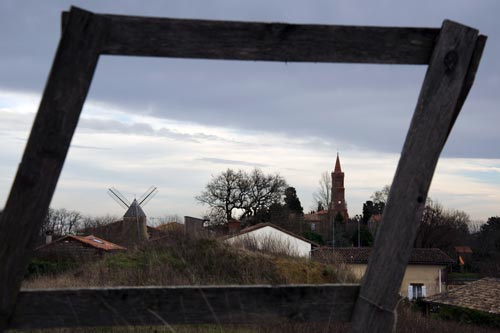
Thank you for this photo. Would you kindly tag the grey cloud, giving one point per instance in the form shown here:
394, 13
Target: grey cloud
230, 162
367, 106
115, 126
89, 147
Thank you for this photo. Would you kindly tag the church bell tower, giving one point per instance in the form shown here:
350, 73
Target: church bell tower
338, 204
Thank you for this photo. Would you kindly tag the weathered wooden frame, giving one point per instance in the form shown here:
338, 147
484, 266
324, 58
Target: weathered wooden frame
452, 53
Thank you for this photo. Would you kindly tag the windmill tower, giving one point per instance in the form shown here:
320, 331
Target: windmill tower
133, 229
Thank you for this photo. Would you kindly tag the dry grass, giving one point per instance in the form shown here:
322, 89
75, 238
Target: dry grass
267, 244
177, 260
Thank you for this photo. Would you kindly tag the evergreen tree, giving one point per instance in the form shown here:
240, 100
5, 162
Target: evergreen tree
292, 202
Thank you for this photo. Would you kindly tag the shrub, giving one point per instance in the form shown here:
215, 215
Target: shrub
42, 267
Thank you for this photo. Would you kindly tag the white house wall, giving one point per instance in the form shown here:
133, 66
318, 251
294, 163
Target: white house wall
263, 236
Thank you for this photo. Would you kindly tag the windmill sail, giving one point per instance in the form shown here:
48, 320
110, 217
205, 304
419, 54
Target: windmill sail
118, 197
147, 196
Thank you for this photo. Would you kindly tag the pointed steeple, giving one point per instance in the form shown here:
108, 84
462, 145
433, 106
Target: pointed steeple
337, 165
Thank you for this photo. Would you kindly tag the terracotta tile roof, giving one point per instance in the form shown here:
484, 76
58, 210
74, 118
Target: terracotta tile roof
482, 295
262, 225
91, 240
360, 255
316, 217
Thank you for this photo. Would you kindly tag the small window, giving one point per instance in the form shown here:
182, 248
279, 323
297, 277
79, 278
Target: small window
97, 240
416, 290
313, 226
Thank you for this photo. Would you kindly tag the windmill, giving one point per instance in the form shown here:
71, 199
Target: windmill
134, 226
126, 204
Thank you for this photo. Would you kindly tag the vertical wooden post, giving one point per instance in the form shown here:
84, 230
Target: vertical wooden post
46, 150
436, 110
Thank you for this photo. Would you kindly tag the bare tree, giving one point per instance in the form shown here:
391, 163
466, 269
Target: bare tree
382, 195
323, 193
263, 191
238, 191
224, 193
61, 221
443, 228
89, 222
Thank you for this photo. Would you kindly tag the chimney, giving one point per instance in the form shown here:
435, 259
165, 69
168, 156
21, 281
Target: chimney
194, 226
48, 236
233, 226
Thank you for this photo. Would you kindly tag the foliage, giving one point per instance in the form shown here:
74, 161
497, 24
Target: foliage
487, 248
239, 191
489, 236
342, 237
292, 201
323, 193
313, 237
372, 208
365, 237
41, 267
466, 316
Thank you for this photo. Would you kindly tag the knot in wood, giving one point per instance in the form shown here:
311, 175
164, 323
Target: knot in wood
450, 61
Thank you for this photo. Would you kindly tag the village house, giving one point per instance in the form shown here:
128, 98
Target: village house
425, 273
269, 237
77, 247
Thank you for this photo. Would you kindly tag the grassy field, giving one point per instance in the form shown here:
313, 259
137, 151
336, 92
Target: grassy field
178, 260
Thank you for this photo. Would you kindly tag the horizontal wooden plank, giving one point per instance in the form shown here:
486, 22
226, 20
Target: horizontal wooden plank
182, 38
138, 306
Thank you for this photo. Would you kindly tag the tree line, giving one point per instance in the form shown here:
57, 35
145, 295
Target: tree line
255, 197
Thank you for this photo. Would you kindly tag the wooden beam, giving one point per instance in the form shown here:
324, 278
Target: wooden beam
434, 115
46, 151
183, 305
469, 78
180, 38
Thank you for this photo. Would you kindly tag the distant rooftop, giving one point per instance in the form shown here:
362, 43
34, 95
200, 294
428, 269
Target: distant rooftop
482, 295
91, 240
360, 255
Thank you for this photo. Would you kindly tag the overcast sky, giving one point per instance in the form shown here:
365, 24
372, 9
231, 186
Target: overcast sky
173, 123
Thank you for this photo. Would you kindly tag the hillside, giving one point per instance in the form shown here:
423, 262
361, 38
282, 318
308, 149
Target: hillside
177, 260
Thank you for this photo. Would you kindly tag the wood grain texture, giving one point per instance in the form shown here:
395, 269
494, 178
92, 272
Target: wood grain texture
434, 115
183, 305
469, 78
448, 80
180, 38
45, 151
